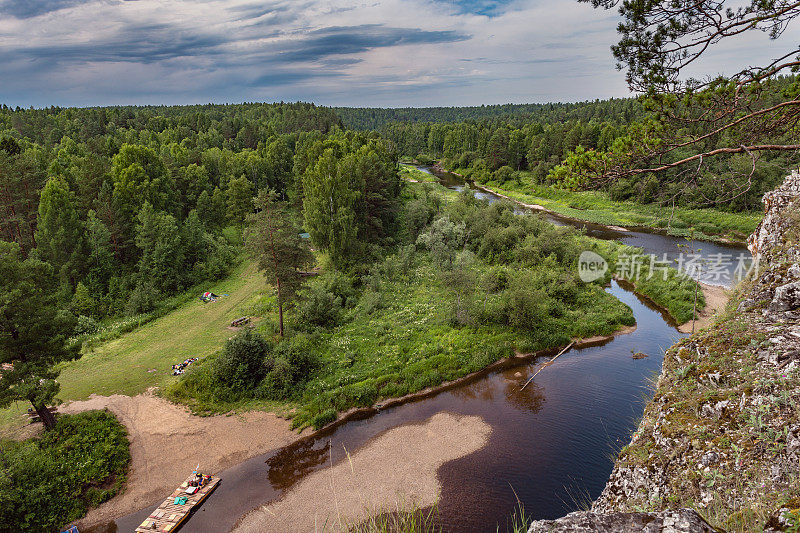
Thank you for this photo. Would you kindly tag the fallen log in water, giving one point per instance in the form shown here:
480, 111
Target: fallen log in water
548, 364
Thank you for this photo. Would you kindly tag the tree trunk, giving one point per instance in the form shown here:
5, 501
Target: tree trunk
694, 307
280, 307
45, 415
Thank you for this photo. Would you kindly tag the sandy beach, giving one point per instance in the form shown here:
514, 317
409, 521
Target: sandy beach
395, 470
716, 299
168, 442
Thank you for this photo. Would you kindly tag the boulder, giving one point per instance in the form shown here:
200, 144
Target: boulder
680, 521
787, 297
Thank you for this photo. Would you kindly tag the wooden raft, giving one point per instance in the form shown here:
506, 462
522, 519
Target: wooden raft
168, 516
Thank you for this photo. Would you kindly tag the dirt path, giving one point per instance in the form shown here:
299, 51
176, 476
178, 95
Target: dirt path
167, 443
396, 469
716, 299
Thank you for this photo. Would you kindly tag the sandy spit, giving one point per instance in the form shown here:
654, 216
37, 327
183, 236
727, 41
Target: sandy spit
395, 469
168, 442
716, 299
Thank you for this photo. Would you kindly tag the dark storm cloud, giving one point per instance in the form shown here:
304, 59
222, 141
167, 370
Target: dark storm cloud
149, 43
489, 8
340, 40
143, 43
279, 78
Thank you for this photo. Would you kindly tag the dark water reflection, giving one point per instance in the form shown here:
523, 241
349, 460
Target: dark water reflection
552, 444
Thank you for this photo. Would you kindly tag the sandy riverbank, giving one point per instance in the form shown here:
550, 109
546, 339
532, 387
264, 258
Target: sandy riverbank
716, 300
396, 469
168, 442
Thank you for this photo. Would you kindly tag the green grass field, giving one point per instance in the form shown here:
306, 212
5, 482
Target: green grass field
143, 358
411, 343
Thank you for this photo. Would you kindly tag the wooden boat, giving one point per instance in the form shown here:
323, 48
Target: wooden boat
169, 516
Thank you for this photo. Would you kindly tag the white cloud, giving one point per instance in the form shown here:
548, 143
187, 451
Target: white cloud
379, 52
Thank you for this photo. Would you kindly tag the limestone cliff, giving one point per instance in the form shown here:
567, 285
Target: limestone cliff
722, 434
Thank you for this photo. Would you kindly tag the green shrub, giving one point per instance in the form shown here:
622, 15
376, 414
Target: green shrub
86, 325
324, 418
425, 159
503, 174
323, 299
370, 302
296, 359
244, 361
48, 482
318, 307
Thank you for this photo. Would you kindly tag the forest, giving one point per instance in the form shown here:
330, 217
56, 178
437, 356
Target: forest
376, 118
374, 286
132, 204
521, 147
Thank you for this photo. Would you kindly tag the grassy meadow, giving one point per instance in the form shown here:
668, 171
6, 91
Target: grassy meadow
134, 361
412, 173
412, 341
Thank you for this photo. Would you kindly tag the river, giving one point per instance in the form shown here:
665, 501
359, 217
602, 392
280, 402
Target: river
552, 445
721, 264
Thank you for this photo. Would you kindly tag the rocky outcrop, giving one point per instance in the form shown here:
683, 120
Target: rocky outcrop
772, 228
680, 521
722, 433
786, 298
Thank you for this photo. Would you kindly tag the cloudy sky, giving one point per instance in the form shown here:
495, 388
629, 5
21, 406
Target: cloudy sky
389, 53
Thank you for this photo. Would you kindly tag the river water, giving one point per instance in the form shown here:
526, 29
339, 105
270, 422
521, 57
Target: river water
719, 264
552, 445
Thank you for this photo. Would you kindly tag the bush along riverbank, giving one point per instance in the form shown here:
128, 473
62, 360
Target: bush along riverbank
722, 433
51, 480
468, 284
598, 207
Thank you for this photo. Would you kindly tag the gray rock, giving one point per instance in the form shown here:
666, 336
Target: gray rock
680, 521
709, 459
746, 305
794, 271
714, 411
787, 297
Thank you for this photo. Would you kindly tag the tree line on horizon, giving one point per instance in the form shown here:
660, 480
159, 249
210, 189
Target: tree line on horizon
555, 145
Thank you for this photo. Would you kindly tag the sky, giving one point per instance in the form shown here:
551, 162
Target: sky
384, 53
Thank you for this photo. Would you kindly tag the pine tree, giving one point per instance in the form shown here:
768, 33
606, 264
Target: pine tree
162, 250
60, 232
33, 332
274, 241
